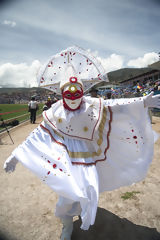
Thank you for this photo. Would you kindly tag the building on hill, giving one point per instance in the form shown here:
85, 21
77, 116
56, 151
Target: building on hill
150, 76
130, 76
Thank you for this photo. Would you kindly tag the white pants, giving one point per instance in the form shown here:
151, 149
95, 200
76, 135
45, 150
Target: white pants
67, 208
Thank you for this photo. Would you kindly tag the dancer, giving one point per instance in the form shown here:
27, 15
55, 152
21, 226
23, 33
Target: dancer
86, 145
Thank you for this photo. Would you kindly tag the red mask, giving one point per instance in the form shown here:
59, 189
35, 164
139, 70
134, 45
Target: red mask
72, 97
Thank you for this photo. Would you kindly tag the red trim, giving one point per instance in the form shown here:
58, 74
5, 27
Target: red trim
98, 117
78, 136
105, 151
49, 120
73, 81
46, 129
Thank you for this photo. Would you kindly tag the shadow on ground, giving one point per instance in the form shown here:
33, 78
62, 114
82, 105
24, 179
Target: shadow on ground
108, 226
5, 236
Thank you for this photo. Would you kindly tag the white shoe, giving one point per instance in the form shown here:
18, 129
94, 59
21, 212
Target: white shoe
67, 228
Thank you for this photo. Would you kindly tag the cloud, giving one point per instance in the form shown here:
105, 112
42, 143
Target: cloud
111, 63
24, 75
19, 75
9, 23
144, 61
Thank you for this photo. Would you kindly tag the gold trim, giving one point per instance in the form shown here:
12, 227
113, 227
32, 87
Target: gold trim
99, 141
58, 134
68, 83
60, 120
72, 88
85, 129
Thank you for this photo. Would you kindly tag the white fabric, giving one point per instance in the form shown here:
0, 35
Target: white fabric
152, 101
69, 72
54, 73
80, 124
67, 228
126, 152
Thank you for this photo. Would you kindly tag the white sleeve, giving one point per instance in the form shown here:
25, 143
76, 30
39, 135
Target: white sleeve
122, 101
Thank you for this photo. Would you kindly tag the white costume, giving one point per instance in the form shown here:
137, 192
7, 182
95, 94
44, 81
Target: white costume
101, 146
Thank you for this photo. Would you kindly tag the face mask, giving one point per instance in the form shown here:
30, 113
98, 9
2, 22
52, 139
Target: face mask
72, 96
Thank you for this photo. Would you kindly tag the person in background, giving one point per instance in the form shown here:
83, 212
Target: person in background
49, 103
33, 107
94, 92
109, 95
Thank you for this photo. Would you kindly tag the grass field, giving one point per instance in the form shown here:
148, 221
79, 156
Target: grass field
10, 112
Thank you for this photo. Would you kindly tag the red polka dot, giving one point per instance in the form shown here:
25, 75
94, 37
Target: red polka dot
48, 173
54, 165
59, 158
48, 161
135, 137
61, 169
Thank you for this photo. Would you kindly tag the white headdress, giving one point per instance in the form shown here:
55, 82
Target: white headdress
73, 62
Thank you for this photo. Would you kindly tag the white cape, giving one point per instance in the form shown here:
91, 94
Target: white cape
78, 169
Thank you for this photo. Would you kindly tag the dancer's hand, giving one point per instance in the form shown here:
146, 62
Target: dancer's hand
10, 164
152, 101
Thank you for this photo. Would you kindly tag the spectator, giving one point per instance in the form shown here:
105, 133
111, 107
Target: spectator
49, 103
94, 92
33, 107
109, 95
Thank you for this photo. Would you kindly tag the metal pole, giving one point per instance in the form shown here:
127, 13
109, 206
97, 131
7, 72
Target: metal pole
7, 129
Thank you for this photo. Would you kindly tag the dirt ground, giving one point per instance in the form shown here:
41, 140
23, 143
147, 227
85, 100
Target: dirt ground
27, 205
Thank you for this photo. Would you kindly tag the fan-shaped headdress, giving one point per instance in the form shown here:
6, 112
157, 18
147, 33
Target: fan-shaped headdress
72, 64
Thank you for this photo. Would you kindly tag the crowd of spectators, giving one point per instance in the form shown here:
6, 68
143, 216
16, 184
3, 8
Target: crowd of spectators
137, 90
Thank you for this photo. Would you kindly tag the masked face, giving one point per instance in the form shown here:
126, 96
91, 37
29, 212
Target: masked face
72, 96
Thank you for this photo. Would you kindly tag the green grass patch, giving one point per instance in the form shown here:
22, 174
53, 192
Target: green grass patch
16, 112
129, 195
7, 110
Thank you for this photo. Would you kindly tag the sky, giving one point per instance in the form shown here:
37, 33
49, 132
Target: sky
123, 33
